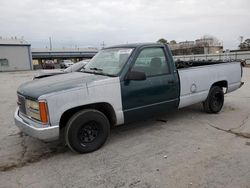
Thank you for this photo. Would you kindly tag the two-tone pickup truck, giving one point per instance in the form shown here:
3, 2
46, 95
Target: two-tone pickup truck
119, 85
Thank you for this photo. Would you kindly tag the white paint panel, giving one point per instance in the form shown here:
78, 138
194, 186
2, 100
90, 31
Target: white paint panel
105, 90
201, 78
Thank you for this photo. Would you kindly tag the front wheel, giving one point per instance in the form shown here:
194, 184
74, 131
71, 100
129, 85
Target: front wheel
87, 131
214, 101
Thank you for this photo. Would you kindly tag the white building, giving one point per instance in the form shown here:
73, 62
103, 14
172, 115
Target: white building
15, 55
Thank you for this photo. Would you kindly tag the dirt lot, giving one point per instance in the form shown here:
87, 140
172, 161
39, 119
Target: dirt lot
187, 148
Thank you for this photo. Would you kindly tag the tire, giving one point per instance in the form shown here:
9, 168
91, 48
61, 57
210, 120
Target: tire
214, 101
86, 131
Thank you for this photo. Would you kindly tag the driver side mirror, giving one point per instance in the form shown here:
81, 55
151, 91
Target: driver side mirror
136, 75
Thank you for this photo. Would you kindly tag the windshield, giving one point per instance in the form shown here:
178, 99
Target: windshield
108, 61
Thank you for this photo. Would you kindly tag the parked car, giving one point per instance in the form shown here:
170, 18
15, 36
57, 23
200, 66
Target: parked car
77, 66
121, 84
73, 68
66, 63
49, 64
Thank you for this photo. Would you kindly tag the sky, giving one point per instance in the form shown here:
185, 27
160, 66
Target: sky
84, 23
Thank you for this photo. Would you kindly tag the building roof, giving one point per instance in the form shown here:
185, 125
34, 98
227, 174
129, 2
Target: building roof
13, 41
38, 50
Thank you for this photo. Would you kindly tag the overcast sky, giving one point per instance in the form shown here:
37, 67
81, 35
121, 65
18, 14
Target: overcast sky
88, 23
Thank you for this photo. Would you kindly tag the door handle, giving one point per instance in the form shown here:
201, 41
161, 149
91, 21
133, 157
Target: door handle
171, 81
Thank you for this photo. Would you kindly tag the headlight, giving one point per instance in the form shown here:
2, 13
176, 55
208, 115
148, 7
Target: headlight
37, 110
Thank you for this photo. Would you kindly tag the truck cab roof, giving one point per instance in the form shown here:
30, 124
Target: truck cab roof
134, 45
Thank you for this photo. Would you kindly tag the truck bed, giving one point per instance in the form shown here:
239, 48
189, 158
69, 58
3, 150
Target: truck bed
197, 80
193, 63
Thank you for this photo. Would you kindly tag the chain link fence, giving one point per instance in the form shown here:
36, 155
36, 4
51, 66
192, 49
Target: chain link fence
226, 56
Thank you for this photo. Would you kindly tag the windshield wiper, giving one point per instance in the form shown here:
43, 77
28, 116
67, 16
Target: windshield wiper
96, 69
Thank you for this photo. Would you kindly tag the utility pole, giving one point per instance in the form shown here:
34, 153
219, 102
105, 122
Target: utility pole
241, 39
50, 43
103, 44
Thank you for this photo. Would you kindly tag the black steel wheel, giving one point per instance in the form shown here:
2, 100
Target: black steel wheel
87, 131
214, 101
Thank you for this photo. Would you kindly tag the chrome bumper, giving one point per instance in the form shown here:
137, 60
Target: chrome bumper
43, 133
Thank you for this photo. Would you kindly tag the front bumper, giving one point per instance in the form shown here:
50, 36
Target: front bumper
31, 128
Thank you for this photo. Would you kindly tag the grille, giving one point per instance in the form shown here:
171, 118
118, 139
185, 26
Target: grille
21, 102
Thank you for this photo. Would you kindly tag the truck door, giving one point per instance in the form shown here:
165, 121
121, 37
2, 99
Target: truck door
158, 93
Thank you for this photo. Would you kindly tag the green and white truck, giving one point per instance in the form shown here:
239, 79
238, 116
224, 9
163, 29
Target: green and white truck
121, 84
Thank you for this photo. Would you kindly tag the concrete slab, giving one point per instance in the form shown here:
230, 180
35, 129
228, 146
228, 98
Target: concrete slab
185, 148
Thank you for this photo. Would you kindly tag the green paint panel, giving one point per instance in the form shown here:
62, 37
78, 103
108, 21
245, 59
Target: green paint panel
155, 95
146, 98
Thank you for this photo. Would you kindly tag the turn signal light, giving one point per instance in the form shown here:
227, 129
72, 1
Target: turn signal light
43, 112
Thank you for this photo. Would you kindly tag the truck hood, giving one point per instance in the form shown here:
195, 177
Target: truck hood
47, 73
38, 87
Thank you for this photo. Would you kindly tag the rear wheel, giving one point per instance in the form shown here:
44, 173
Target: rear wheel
214, 101
87, 131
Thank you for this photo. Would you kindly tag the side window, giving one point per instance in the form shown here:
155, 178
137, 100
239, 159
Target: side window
151, 61
4, 62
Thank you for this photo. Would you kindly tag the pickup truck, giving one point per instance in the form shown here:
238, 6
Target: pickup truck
121, 84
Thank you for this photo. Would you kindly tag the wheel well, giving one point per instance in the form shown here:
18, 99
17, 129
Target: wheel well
222, 84
105, 108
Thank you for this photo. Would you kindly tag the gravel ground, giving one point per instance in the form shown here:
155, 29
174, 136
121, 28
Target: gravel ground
185, 148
